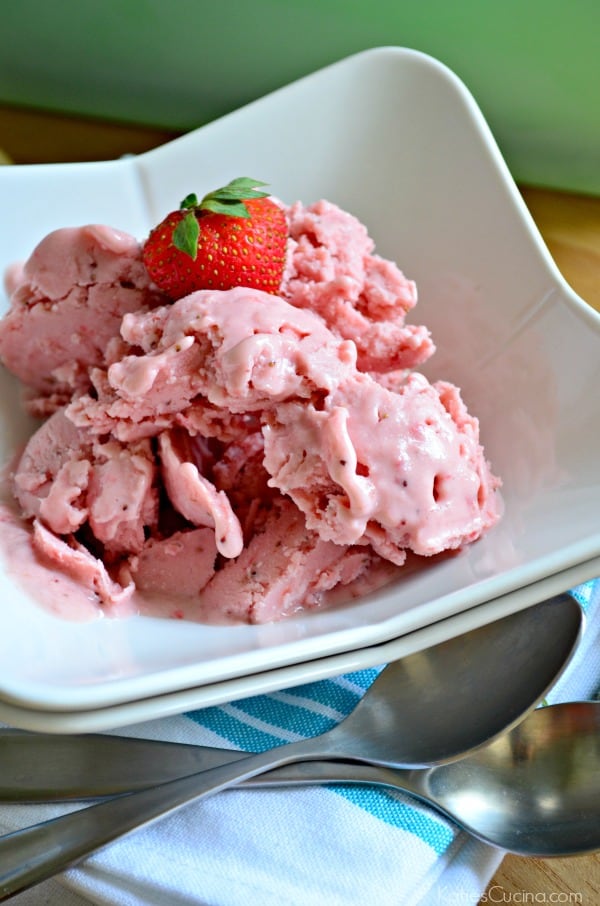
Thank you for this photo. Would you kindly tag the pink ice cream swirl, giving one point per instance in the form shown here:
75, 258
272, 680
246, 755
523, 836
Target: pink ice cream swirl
400, 470
270, 448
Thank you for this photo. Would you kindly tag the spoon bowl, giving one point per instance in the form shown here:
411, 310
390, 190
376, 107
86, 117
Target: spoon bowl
430, 707
534, 791
443, 702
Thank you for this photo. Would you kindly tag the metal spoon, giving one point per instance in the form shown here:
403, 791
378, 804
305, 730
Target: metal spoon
433, 730
449, 699
534, 790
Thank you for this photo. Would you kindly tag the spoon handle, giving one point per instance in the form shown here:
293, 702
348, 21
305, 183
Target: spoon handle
35, 853
42, 767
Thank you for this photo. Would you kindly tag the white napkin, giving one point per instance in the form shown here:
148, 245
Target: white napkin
344, 846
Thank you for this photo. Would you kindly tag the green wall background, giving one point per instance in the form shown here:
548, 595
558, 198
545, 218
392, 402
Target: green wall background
532, 65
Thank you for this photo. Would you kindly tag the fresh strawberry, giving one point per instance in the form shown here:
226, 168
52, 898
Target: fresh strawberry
235, 236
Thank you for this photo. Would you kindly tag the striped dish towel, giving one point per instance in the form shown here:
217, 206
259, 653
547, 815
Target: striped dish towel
339, 845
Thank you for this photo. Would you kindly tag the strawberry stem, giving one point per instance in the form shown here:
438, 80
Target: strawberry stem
228, 200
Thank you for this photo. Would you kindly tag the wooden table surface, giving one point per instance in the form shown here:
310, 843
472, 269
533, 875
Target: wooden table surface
570, 226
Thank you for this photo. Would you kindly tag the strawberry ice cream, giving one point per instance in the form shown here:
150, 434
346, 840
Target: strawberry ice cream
362, 297
67, 302
246, 451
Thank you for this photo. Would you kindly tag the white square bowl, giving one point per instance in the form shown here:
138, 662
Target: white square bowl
394, 137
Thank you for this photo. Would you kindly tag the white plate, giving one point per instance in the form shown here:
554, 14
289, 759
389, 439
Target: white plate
394, 137
184, 700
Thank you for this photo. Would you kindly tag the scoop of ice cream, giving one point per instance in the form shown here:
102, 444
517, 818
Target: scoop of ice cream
333, 271
401, 469
247, 350
237, 352
67, 303
67, 477
283, 569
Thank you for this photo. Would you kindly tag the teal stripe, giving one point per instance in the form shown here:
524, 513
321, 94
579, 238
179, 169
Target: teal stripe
293, 718
386, 807
290, 717
329, 693
240, 734
363, 678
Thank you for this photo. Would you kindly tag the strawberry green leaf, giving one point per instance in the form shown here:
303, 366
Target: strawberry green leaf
185, 235
229, 199
231, 208
245, 182
233, 193
190, 201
